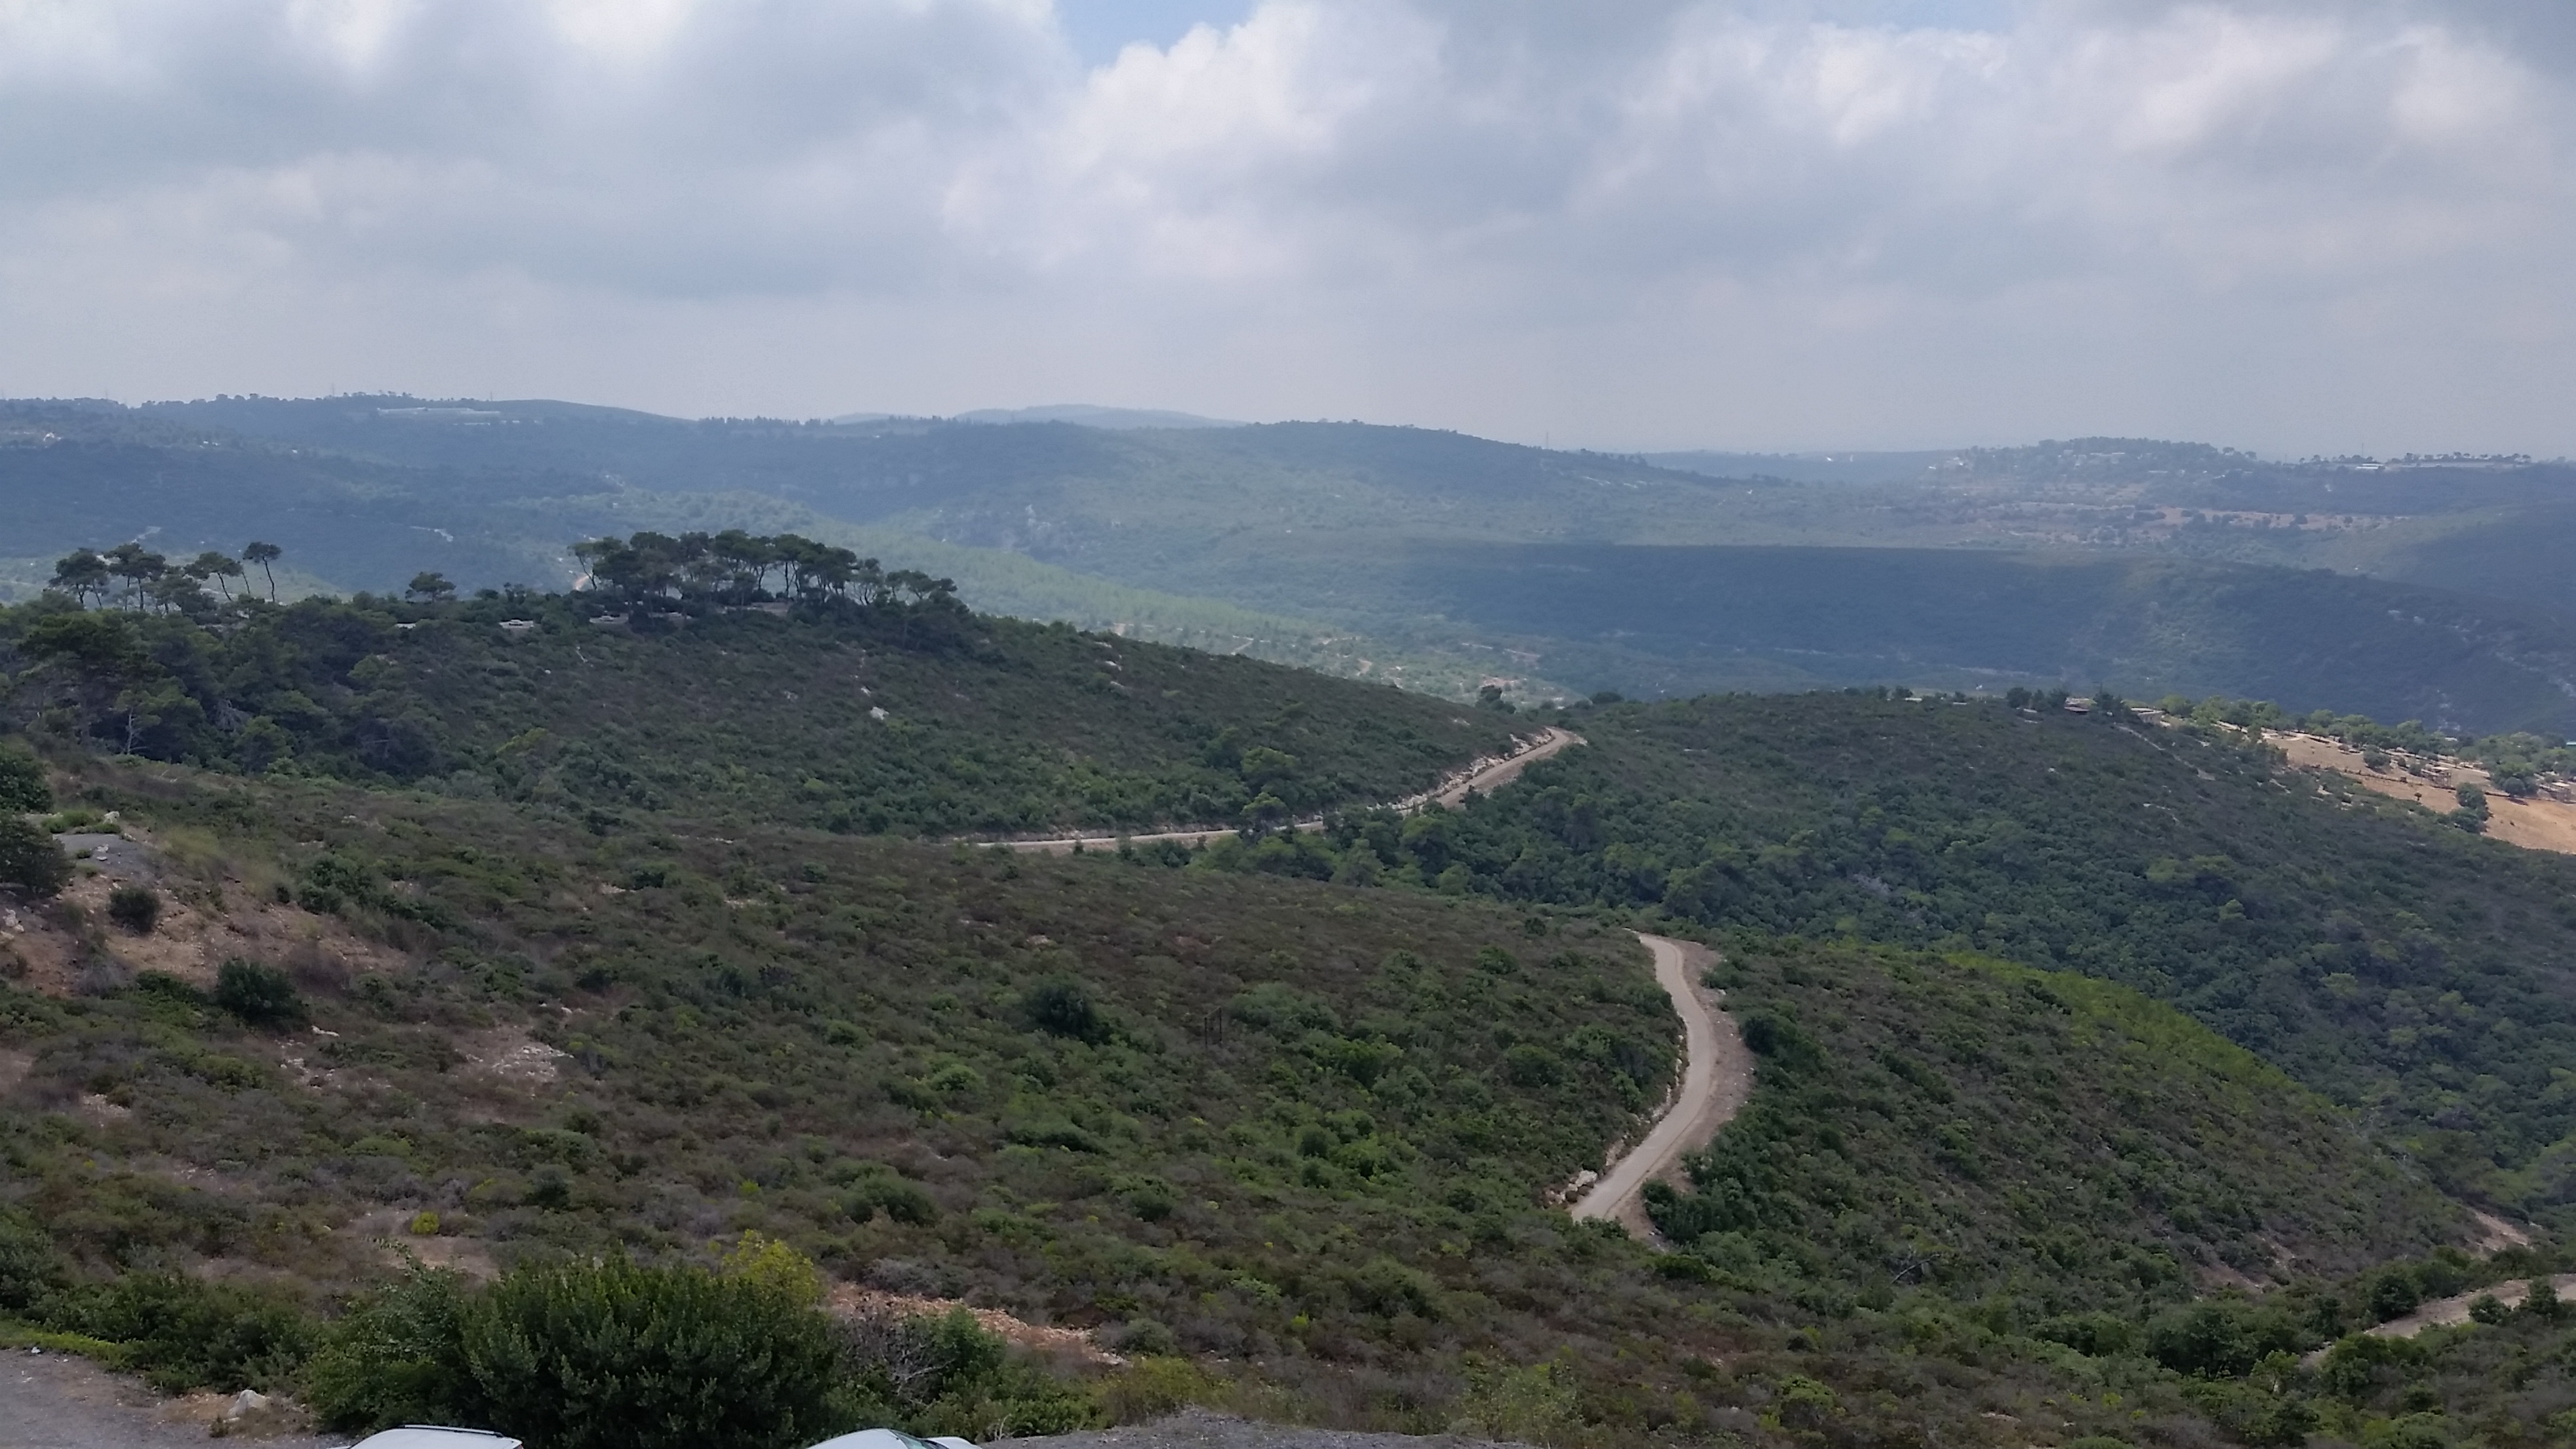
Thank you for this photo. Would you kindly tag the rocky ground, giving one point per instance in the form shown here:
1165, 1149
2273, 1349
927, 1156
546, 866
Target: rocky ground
61, 1401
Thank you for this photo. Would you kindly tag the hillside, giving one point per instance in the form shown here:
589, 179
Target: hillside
1298, 1132
2056, 1142
906, 716
2376, 953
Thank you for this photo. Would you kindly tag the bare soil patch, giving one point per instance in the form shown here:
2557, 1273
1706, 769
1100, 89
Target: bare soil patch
852, 1300
2538, 823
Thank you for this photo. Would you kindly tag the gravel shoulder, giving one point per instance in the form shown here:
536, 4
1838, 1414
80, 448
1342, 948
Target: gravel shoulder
1717, 1077
64, 1401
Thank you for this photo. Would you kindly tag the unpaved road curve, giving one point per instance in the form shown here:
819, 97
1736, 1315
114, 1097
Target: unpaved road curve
1716, 1078
1483, 776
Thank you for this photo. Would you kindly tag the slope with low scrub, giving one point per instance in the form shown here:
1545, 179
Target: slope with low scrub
1299, 1132
903, 717
2026, 1138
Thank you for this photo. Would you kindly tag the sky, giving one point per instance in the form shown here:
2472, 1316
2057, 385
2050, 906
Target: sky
2290, 225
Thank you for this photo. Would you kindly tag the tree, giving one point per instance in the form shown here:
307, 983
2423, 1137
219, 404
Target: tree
430, 588
264, 554
137, 566
218, 568
30, 863
82, 573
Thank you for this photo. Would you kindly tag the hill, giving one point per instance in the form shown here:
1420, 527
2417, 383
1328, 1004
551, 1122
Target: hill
1299, 1132
2375, 952
907, 714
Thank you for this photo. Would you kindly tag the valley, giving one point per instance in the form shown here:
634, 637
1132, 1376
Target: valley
1146, 1008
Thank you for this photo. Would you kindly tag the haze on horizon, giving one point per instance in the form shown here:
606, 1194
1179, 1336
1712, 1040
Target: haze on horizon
2288, 225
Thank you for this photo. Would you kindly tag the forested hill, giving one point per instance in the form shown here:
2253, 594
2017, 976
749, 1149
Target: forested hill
2385, 957
906, 714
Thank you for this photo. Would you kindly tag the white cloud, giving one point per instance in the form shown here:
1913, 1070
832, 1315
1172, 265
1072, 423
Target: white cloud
2283, 224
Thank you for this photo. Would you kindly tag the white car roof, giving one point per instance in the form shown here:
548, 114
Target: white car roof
888, 1439
430, 1436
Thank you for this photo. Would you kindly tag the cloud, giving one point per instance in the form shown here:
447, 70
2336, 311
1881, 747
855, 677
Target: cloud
2285, 224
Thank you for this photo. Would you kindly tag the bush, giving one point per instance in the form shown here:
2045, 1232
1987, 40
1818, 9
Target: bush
29, 1266
30, 863
259, 995
1063, 1007
398, 1357
183, 1334
22, 782
135, 907
619, 1356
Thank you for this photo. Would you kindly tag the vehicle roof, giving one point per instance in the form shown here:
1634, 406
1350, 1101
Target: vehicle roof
431, 1436
890, 1439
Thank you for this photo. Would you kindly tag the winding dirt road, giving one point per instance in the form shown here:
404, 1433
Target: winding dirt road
1716, 1078
1481, 776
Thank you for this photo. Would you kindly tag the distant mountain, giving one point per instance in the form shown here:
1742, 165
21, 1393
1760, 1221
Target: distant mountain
1083, 415
1914, 467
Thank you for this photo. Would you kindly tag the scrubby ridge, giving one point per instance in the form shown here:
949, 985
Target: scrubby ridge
903, 717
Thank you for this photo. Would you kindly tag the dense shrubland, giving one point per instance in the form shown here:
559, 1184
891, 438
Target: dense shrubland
871, 707
1295, 1128
2397, 966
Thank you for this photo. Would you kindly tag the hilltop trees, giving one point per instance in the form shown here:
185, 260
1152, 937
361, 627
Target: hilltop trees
141, 579
264, 554
736, 568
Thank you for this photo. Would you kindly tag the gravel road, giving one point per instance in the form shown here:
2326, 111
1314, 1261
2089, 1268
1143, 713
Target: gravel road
1484, 777
63, 1401
1717, 1077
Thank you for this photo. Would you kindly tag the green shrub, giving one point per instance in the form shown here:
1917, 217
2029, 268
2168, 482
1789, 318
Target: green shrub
30, 1268
618, 1356
259, 995
398, 1357
30, 863
1062, 1006
22, 782
135, 907
185, 1334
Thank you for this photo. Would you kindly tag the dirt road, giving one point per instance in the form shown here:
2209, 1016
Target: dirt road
1481, 776
1199, 1429
59, 1401
1716, 1078
2447, 1312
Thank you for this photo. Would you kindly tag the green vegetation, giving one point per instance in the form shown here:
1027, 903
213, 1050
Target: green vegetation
2063, 1152
32, 866
1203, 1111
896, 711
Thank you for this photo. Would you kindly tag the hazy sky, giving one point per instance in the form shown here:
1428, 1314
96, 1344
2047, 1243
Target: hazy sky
2290, 225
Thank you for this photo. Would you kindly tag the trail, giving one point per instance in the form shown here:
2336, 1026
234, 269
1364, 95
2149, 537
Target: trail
1716, 1079
1481, 776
